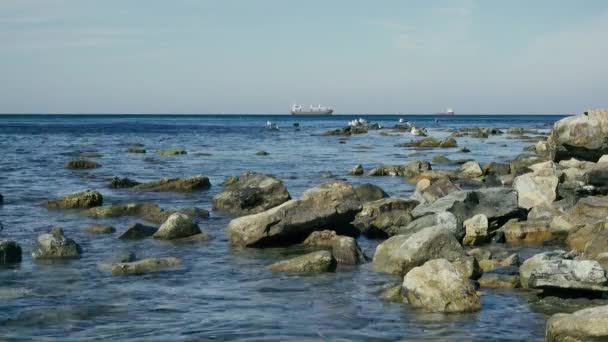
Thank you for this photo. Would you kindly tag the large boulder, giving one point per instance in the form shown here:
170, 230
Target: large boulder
344, 248
177, 226
54, 245
400, 253
436, 286
176, 184
535, 189
252, 193
146, 211
567, 275
590, 324
78, 200
10, 252
584, 136
333, 204
369, 192
384, 217
315, 262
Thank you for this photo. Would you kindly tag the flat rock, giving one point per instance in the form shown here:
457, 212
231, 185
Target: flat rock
170, 152
569, 275
176, 184
315, 262
78, 200
535, 231
146, 211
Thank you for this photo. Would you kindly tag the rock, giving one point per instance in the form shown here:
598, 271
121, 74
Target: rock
541, 147
467, 267
392, 293
384, 217
437, 287
91, 155
100, 229
230, 180
1, 199
433, 175
137, 231
82, 164
476, 230
520, 164
344, 248
400, 253
534, 190
252, 193
145, 265
195, 237
136, 150
315, 262
582, 136
409, 170
170, 152
527, 231
496, 169
429, 191
10, 252
445, 220
580, 236
589, 324
567, 275
146, 211
78, 200
464, 150
430, 142
261, 153
525, 270
470, 169
369, 192
176, 184
54, 245
597, 247
448, 142
331, 204
177, 226
543, 212
357, 170
498, 280
445, 160
121, 183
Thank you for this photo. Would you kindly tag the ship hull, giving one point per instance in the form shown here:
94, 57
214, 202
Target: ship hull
317, 112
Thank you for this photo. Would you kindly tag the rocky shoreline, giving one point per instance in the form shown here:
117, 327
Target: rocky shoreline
460, 232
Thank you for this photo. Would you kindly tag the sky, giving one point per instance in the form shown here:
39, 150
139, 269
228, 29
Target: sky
245, 56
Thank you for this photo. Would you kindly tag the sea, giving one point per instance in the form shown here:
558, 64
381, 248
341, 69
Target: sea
221, 293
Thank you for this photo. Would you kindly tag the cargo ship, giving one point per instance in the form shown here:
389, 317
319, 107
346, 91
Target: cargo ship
312, 110
448, 111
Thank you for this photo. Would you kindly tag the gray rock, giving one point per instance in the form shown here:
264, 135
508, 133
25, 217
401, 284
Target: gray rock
369, 192
470, 169
583, 136
569, 275
177, 226
408, 170
344, 248
55, 245
467, 267
436, 286
315, 262
252, 193
147, 265
357, 170
385, 217
428, 191
333, 204
10, 252
78, 200
525, 270
589, 324
122, 183
535, 189
401, 253
137, 231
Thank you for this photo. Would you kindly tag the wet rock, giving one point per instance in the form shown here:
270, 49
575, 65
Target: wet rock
400, 253
100, 229
436, 286
566, 275
177, 226
78, 200
332, 204
470, 169
121, 183
476, 230
494, 168
10, 252
315, 262
441, 159
135, 149
527, 231
54, 245
369, 192
252, 193
146, 265
428, 191
384, 217
344, 248
261, 153
497, 278
146, 211
392, 293
590, 324
408, 170
170, 152
467, 267
525, 270
82, 164
430, 142
349, 130
176, 184
357, 170
494, 263
581, 136
137, 231
230, 180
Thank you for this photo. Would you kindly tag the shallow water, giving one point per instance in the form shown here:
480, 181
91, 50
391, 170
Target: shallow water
219, 293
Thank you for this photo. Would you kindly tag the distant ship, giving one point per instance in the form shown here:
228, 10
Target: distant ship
448, 111
312, 110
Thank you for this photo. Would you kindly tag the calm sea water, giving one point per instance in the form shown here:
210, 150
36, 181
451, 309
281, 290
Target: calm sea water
220, 293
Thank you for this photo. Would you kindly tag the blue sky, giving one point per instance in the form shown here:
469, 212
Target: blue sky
229, 56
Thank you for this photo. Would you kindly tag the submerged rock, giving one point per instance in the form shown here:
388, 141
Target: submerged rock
582, 136
10, 252
176, 184
170, 152
54, 245
135, 149
145, 265
78, 200
333, 204
100, 229
121, 183
82, 164
436, 286
344, 248
177, 226
261, 153
400, 253
589, 324
137, 231
385, 217
252, 193
431, 142
356, 170
315, 262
